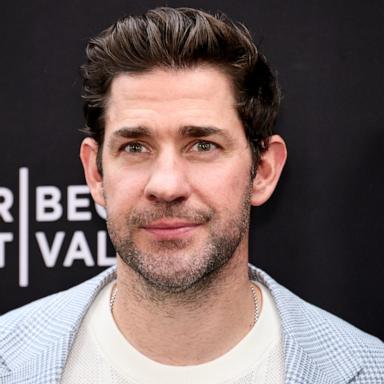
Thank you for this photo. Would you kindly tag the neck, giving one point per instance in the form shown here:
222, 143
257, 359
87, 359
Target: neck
187, 328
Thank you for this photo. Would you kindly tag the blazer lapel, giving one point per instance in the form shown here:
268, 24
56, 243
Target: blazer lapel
315, 350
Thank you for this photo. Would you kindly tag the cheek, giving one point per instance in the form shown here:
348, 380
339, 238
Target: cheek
223, 186
121, 190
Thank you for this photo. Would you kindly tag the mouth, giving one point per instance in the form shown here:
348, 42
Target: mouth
171, 229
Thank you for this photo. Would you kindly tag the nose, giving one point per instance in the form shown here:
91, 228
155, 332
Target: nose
168, 181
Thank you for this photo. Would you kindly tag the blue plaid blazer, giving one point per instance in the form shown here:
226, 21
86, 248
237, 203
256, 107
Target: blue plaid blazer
319, 348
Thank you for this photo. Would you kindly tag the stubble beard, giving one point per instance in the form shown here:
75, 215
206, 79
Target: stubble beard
172, 267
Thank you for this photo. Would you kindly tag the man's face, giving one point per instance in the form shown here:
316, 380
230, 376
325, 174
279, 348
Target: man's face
176, 174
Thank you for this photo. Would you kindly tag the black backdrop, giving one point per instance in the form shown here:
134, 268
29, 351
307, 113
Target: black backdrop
321, 234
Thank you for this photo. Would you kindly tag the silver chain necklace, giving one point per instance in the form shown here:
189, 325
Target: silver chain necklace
113, 297
256, 304
256, 314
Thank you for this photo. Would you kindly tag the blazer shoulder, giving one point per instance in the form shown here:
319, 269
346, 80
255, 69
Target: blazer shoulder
74, 297
368, 348
48, 321
14, 317
342, 343
335, 347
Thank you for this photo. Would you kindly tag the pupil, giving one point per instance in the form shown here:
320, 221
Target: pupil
204, 146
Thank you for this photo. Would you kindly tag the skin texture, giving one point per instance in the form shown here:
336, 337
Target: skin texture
177, 188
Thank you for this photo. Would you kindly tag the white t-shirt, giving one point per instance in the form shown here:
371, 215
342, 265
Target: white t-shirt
101, 354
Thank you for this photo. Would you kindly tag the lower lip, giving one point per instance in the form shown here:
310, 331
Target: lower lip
171, 233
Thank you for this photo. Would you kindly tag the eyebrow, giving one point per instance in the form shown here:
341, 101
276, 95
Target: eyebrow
198, 131
185, 131
133, 132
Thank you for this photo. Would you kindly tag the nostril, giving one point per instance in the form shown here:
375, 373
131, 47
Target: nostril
179, 199
161, 199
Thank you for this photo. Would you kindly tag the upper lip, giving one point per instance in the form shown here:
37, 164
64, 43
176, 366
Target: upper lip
170, 224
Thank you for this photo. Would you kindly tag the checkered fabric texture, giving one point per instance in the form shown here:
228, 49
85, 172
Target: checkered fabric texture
319, 348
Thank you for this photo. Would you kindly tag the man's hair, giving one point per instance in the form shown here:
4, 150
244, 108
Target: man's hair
181, 38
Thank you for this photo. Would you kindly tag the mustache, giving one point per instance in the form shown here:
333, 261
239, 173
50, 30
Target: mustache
144, 217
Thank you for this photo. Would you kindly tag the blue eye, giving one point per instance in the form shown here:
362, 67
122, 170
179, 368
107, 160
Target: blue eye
204, 146
135, 148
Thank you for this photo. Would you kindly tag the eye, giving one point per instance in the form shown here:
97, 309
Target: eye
204, 146
135, 148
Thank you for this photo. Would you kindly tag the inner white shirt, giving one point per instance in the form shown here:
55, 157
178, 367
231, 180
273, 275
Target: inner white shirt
102, 355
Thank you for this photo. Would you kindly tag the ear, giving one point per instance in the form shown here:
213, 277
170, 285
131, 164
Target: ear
88, 155
269, 170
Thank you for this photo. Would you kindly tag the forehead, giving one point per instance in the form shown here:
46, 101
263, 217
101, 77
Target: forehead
200, 81
172, 96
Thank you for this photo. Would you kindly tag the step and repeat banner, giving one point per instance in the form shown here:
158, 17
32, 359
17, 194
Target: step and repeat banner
48, 207
321, 234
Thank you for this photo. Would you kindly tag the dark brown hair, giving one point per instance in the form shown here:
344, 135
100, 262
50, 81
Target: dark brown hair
182, 38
